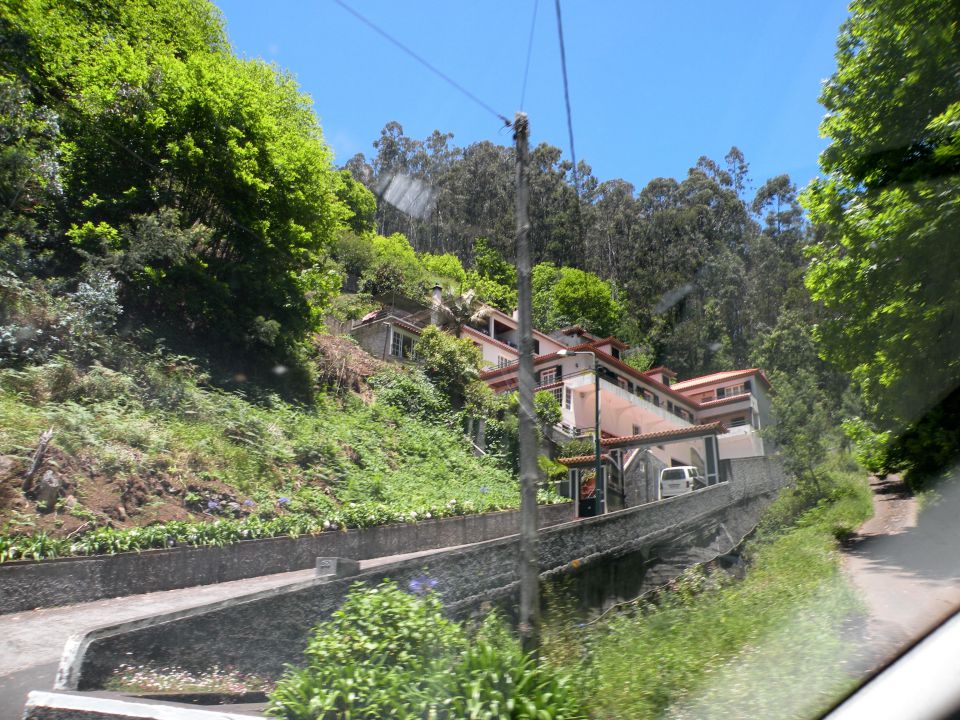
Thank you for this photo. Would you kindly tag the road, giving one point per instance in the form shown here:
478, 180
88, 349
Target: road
31, 642
907, 573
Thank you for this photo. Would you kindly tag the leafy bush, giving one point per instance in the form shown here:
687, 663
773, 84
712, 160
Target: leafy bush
386, 653
451, 363
373, 658
409, 390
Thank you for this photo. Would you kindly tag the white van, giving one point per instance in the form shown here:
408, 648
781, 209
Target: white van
680, 480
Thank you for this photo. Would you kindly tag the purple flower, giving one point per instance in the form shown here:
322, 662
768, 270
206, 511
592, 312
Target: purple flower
213, 504
248, 503
283, 500
422, 584
484, 489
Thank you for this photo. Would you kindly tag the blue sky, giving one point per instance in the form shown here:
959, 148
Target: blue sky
653, 85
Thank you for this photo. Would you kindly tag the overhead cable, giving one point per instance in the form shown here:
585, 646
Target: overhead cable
436, 71
526, 69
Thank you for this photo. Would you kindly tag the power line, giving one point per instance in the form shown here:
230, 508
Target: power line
526, 69
566, 98
436, 71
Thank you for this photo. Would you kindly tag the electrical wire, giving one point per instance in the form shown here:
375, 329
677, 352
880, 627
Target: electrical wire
436, 71
566, 99
526, 69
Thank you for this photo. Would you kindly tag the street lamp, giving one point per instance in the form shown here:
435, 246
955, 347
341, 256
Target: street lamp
597, 469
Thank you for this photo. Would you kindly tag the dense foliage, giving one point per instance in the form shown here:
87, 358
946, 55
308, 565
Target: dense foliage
389, 653
142, 438
886, 265
697, 271
199, 181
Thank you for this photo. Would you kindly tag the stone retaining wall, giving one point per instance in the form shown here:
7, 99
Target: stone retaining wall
261, 632
65, 581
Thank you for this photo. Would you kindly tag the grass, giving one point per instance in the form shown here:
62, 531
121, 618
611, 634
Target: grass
772, 645
202, 455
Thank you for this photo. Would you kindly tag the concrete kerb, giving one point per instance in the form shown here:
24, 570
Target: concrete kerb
75, 649
67, 706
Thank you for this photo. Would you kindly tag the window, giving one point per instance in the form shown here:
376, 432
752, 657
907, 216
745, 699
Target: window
739, 421
733, 390
401, 344
503, 361
615, 352
536, 346
558, 394
548, 376
568, 398
622, 382
635, 430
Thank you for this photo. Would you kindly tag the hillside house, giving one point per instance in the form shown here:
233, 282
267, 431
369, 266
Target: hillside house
648, 420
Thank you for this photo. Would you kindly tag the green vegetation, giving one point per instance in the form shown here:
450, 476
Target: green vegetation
886, 267
771, 644
159, 445
199, 181
387, 653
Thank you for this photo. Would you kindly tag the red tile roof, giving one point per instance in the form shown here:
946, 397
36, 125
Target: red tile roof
609, 360
720, 377
655, 438
724, 400
662, 369
582, 460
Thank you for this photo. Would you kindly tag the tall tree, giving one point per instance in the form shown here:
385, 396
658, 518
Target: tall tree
201, 180
886, 267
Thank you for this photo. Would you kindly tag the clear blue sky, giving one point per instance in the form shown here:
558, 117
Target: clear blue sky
653, 85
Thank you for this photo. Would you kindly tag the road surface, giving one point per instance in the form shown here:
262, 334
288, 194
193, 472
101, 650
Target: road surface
907, 573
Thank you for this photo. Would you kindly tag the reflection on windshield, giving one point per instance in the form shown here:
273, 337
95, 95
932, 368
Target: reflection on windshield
267, 416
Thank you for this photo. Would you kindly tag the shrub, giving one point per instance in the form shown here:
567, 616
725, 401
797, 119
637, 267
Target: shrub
409, 391
373, 658
386, 653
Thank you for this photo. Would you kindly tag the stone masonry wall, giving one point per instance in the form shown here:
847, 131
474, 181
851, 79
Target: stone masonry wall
51, 583
261, 632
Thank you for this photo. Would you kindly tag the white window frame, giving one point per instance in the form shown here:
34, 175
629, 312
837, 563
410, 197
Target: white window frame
397, 338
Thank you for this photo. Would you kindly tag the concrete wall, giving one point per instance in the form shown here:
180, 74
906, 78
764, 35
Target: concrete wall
50, 583
374, 338
263, 631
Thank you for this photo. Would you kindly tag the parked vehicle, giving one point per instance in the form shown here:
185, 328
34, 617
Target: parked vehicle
680, 480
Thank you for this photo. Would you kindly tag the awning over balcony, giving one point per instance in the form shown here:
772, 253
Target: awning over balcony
654, 438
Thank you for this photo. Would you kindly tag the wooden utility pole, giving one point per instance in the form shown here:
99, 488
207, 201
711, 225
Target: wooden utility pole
529, 471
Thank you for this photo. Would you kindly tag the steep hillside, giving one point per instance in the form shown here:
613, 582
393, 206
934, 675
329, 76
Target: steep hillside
151, 444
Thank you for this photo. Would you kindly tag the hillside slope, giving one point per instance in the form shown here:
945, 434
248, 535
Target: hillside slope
151, 444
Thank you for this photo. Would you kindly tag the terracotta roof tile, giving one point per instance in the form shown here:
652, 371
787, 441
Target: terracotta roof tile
720, 377
582, 459
724, 400
655, 438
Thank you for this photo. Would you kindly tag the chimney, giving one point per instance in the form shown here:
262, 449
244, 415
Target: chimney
437, 300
